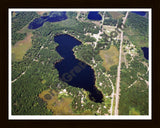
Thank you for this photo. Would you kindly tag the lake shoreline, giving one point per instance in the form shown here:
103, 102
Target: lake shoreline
84, 78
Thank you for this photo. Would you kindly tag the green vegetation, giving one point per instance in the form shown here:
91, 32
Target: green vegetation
38, 89
21, 47
56, 104
111, 22
39, 73
134, 90
110, 57
71, 14
134, 86
137, 30
138, 23
18, 22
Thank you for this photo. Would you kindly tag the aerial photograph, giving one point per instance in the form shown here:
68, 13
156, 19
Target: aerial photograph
79, 62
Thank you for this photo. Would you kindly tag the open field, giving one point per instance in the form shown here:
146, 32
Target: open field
134, 112
21, 47
108, 29
116, 15
136, 38
110, 57
58, 106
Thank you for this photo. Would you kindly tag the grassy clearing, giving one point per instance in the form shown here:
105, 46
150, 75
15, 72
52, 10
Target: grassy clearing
43, 81
110, 57
116, 15
136, 38
60, 106
67, 23
21, 47
25, 30
134, 112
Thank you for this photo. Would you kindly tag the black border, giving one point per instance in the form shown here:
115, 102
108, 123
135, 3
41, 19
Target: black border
154, 4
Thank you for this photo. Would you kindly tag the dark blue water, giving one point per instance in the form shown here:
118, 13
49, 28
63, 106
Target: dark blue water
140, 13
52, 17
73, 71
145, 52
94, 16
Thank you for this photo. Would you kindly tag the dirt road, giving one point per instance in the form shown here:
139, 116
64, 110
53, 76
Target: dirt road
119, 72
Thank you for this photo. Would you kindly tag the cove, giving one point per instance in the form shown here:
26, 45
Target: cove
94, 16
52, 17
145, 52
73, 71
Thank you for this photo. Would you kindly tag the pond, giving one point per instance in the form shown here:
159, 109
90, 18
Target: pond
145, 52
73, 71
52, 17
94, 16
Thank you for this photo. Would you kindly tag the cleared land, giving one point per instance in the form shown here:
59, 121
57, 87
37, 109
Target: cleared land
41, 12
108, 29
59, 106
110, 57
116, 15
21, 47
25, 30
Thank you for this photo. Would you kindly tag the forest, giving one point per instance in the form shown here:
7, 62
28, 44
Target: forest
137, 29
135, 89
40, 74
133, 78
138, 23
18, 22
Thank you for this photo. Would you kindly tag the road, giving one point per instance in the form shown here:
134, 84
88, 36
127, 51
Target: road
112, 95
119, 72
28, 66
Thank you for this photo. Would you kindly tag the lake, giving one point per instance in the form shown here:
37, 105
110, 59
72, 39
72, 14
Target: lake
94, 16
139, 13
52, 17
145, 52
73, 71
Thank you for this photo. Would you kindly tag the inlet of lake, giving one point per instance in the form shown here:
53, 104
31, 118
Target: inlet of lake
73, 71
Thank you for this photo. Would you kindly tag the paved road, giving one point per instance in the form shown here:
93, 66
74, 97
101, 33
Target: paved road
119, 72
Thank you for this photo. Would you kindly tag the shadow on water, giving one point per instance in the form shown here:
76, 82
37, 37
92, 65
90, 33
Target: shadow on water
73, 71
